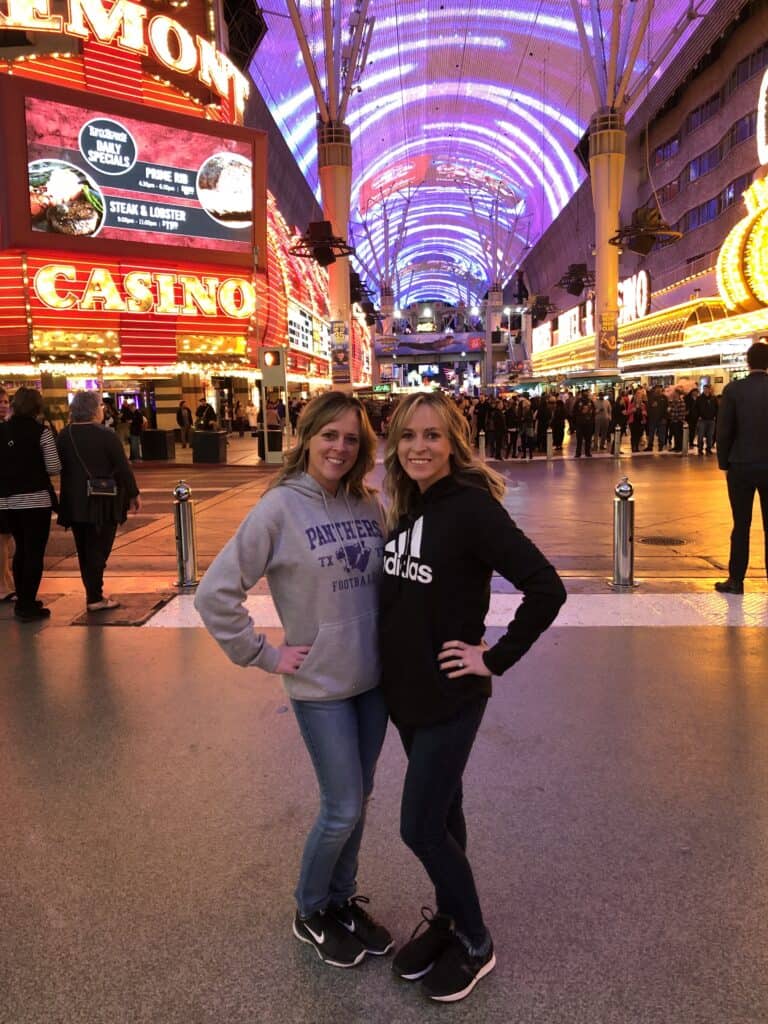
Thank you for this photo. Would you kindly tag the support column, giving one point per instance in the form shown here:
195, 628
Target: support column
334, 158
607, 149
493, 307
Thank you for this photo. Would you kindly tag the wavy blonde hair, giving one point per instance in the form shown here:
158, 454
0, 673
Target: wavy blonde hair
465, 466
316, 415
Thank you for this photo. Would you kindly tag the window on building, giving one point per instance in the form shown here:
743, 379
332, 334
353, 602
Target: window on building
666, 150
704, 163
703, 113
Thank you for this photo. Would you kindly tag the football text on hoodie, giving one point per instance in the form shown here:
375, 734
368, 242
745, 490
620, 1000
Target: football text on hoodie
322, 558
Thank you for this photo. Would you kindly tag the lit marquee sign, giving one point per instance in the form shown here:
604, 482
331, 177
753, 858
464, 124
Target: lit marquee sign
56, 285
130, 26
762, 121
742, 265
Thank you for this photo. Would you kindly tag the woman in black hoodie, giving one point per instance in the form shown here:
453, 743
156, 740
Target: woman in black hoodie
448, 533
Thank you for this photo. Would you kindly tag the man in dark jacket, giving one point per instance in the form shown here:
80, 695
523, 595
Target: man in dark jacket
742, 451
706, 414
583, 419
657, 418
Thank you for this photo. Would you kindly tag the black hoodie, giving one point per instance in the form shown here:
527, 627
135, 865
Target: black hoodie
436, 587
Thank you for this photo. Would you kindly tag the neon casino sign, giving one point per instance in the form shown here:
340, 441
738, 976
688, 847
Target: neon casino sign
125, 24
634, 304
143, 291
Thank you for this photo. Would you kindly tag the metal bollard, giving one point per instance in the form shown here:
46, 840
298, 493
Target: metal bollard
481, 444
623, 536
186, 544
549, 444
686, 438
617, 442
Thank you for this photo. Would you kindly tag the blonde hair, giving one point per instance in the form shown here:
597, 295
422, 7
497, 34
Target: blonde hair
318, 414
465, 466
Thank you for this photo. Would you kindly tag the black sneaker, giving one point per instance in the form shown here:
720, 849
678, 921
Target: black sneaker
334, 944
420, 953
374, 937
31, 613
457, 972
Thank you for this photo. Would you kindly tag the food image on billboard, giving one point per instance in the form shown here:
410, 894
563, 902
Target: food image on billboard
64, 199
224, 189
137, 181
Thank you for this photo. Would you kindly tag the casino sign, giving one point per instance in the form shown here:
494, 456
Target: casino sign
130, 27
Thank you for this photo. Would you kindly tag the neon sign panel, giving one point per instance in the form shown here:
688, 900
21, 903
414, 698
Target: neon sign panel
125, 24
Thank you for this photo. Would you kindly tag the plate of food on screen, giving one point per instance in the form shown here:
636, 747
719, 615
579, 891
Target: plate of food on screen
225, 189
63, 199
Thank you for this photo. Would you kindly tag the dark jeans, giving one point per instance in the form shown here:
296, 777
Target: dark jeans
30, 528
676, 434
743, 480
636, 431
584, 437
94, 544
657, 428
432, 818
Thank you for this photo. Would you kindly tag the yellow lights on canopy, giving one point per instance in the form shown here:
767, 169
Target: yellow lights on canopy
742, 266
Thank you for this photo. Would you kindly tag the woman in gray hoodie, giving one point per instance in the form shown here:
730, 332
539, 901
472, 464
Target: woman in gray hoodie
317, 537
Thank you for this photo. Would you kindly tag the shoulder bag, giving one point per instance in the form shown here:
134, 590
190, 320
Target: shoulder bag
95, 486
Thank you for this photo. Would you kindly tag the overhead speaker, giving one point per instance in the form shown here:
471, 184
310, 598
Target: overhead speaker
581, 149
246, 28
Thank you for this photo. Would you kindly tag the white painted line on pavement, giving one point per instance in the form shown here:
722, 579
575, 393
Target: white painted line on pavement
595, 610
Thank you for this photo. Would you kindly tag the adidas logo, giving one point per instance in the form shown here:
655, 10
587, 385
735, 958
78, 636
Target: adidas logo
402, 555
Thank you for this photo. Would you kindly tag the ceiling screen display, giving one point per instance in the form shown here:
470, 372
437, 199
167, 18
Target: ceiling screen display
91, 174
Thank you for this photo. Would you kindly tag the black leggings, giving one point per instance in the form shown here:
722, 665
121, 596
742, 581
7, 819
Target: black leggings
94, 544
432, 817
30, 528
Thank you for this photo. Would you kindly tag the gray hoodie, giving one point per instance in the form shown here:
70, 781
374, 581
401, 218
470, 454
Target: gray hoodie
322, 557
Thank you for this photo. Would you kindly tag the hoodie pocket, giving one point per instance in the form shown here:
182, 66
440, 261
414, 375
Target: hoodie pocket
344, 656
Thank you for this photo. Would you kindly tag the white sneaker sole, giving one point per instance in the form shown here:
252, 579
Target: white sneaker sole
454, 997
325, 959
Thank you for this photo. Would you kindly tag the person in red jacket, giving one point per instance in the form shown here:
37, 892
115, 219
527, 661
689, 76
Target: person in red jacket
448, 533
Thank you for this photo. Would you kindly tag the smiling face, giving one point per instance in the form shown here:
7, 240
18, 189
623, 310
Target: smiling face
424, 450
333, 450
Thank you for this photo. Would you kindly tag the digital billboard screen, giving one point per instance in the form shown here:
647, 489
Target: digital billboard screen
93, 174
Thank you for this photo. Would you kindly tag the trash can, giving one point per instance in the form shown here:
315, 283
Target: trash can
274, 441
209, 446
158, 444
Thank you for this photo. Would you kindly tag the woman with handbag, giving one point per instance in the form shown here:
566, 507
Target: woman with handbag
28, 460
97, 489
448, 533
317, 537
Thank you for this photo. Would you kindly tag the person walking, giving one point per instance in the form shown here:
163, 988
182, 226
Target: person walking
7, 586
583, 419
676, 415
637, 418
448, 532
706, 417
742, 451
184, 420
28, 461
136, 429
317, 537
89, 451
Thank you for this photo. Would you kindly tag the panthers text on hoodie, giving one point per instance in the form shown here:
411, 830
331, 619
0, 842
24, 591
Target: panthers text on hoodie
321, 556
436, 587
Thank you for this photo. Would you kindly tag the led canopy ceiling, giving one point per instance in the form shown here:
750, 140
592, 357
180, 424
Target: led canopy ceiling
464, 122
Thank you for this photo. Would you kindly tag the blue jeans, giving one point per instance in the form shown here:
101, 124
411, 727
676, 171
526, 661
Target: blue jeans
134, 441
705, 431
344, 739
432, 817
